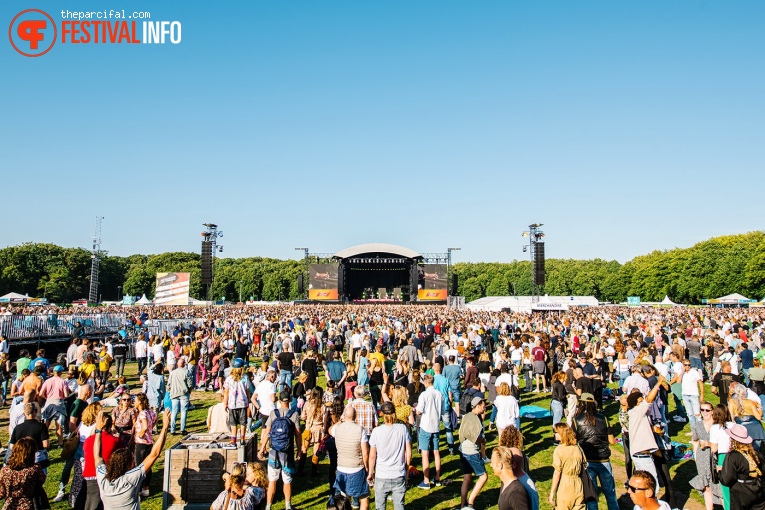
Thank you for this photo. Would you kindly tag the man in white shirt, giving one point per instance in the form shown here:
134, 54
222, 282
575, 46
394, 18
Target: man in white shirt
264, 400
429, 406
141, 352
693, 391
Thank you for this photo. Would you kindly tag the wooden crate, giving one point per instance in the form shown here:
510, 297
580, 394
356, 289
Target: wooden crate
193, 477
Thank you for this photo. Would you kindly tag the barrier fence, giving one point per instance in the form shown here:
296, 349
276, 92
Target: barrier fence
25, 327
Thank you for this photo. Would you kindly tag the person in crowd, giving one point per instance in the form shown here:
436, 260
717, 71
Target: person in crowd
366, 414
89, 497
179, 386
282, 427
742, 471
692, 382
55, 391
531, 489
559, 400
642, 490
508, 412
719, 443
85, 429
21, 478
120, 481
513, 495
124, 417
264, 400
594, 436
313, 435
429, 407
236, 397
471, 442
238, 493
352, 443
155, 387
566, 491
722, 380
703, 481
390, 452
641, 432
442, 385
143, 436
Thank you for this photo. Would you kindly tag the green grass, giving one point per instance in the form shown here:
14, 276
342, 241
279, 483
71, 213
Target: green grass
311, 491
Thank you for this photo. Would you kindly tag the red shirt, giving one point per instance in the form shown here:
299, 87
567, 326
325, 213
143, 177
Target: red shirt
538, 353
109, 443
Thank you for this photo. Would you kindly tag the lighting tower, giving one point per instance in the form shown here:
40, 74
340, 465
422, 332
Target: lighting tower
95, 257
209, 247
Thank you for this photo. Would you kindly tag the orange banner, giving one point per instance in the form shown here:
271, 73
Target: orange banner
323, 294
431, 295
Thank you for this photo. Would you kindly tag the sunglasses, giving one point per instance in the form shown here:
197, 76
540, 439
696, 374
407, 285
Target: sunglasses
630, 488
706, 410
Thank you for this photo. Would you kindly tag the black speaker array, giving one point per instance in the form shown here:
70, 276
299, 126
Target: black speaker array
207, 257
539, 264
300, 284
454, 284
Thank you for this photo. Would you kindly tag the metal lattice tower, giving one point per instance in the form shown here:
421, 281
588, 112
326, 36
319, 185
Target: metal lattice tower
95, 256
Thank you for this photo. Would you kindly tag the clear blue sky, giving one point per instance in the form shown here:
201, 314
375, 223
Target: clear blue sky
623, 126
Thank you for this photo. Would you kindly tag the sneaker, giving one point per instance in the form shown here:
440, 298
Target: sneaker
145, 493
423, 485
441, 483
680, 419
61, 496
486, 460
467, 507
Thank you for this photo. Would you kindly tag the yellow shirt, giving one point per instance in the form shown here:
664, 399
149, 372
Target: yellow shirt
380, 357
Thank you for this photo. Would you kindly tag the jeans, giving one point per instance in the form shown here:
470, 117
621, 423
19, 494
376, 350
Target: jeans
693, 408
68, 465
447, 419
679, 408
493, 416
602, 471
394, 486
119, 364
285, 378
557, 411
192, 369
696, 363
141, 365
183, 404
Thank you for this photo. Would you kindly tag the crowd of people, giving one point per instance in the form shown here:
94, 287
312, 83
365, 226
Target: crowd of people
386, 393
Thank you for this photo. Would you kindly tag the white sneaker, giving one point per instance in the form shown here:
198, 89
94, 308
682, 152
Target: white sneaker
145, 493
61, 496
486, 460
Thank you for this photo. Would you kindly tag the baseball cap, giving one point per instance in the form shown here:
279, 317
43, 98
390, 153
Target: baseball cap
285, 395
237, 363
58, 368
475, 401
587, 397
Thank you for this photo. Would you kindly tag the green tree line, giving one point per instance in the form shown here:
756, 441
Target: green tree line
709, 269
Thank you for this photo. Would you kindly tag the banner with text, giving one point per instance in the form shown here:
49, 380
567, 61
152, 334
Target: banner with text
172, 289
435, 283
322, 282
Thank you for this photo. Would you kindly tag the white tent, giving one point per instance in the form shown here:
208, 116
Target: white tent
528, 304
667, 301
14, 297
143, 301
730, 299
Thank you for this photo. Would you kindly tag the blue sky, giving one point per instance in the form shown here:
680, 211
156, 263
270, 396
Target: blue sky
624, 127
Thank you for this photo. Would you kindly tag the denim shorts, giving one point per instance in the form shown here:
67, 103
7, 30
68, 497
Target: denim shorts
354, 485
472, 464
427, 441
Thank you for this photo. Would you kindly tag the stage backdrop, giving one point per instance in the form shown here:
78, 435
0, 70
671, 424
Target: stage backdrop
172, 289
435, 283
322, 282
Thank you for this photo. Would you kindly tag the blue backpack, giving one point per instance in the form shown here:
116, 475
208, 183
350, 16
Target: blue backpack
282, 432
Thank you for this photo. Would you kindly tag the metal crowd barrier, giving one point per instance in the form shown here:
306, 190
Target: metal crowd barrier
25, 327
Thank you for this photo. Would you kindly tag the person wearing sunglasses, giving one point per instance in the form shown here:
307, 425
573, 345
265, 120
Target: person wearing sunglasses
642, 490
703, 482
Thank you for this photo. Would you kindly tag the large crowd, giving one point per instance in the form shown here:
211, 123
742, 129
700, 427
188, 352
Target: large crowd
385, 393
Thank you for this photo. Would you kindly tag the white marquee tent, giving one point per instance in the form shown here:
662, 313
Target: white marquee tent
527, 304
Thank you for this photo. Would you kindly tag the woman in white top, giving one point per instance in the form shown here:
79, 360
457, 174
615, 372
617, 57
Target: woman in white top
507, 408
719, 442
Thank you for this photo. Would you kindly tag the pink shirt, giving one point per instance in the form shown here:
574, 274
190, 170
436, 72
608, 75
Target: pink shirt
151, 418
54, 388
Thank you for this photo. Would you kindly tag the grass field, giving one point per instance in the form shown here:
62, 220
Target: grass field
311, 491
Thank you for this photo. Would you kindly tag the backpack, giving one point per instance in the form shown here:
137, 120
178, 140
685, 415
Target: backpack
465, 405
61, 359
282, 432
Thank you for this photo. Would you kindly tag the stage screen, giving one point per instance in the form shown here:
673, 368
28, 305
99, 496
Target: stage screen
322, 282
172, 289
435, 283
